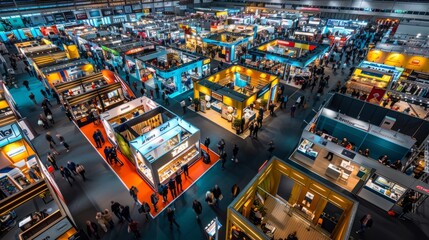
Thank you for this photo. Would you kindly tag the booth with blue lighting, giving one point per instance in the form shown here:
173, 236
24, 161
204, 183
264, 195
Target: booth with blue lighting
229, 42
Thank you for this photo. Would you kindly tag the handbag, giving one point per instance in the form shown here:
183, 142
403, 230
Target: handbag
40, 122
49, 117
220, 197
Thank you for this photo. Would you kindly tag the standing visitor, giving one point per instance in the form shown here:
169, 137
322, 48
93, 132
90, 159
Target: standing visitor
172, 187
67, 175
108, 218
235, 190
107, 154
49, 138
63, 142
185, 169
365, 222
145, 209
223, 157
101, 221
171, 217
133, 193
125, 212
255, 130
209, 198
92, 229
270, 148
251, 128
292, 110
72, 166
100, 135
26, 84
207, 144
198, 208
217, 194
97, 139
221, 145
32, 98
52, 160
178, 179
235, 153
115, 207
183, 105
154, 200
133, 228
81, 171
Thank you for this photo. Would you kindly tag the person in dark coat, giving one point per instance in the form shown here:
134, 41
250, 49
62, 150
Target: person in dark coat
235, 190
154, 200
172, 187
217, 193
97, 139
67, 175
365, 222
198, 208
125, 212
115, 207
178, 179
171, 218
107, 154
92, 229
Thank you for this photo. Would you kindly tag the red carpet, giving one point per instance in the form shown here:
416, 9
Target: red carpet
129, 176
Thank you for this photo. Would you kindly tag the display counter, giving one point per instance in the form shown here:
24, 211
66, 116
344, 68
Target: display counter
384, 189
164, 150
305, 149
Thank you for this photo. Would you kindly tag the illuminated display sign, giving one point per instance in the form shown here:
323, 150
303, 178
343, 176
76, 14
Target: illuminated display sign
140, 49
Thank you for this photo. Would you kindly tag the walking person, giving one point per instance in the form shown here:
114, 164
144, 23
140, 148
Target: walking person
292, 110
52, 148
163, 191
217, 194
171, 218
235, 153
101, 221
125, 212
43, 93
183, 105
26, 84
32, 98
115, 207
185, 169
63, 142
72, 167
107, 215
255, 130
221, 145
97, 139
51, 159
92, 229
251, 128
154, 200
365, 222
207, 144
133, 193
172, 187
145, 209
235, 190
107, 154
67, 175
223, 157
49, 138
210, 198
114, 156
270, 149
178, 179
81, 171
198, 208
100, 135
133, 228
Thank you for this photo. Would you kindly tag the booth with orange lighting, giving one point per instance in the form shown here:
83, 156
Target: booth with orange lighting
234, 95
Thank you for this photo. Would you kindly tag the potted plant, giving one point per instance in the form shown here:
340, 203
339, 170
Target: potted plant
196, 103
237, 125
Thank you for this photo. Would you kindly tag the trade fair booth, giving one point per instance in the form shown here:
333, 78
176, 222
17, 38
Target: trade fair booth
65, 71
285, 57
368, 84
172, 70
226, 45
156, 141
348, 151
311, 208
395, 71
123, 113
232, 96
98, 92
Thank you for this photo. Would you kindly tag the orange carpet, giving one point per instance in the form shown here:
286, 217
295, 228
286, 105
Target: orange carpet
129, 176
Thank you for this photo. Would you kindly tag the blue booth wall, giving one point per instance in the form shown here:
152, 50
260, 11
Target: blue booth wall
361, 139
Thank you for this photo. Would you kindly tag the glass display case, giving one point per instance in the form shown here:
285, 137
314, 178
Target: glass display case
167, 171
305, 148
385, 188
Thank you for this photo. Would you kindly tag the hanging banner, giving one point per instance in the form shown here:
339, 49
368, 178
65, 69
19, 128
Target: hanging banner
376, 95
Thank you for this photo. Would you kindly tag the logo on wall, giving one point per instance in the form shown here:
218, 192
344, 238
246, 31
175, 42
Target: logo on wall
107, 12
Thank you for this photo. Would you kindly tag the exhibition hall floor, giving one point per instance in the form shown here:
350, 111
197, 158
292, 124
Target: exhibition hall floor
129, 176
84, 199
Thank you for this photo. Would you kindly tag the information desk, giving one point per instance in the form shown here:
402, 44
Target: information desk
164, 150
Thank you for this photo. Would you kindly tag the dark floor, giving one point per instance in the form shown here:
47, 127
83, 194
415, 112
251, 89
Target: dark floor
84, 199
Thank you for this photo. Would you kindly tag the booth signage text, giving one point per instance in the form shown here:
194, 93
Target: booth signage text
352, 122
263, 91
159, 130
